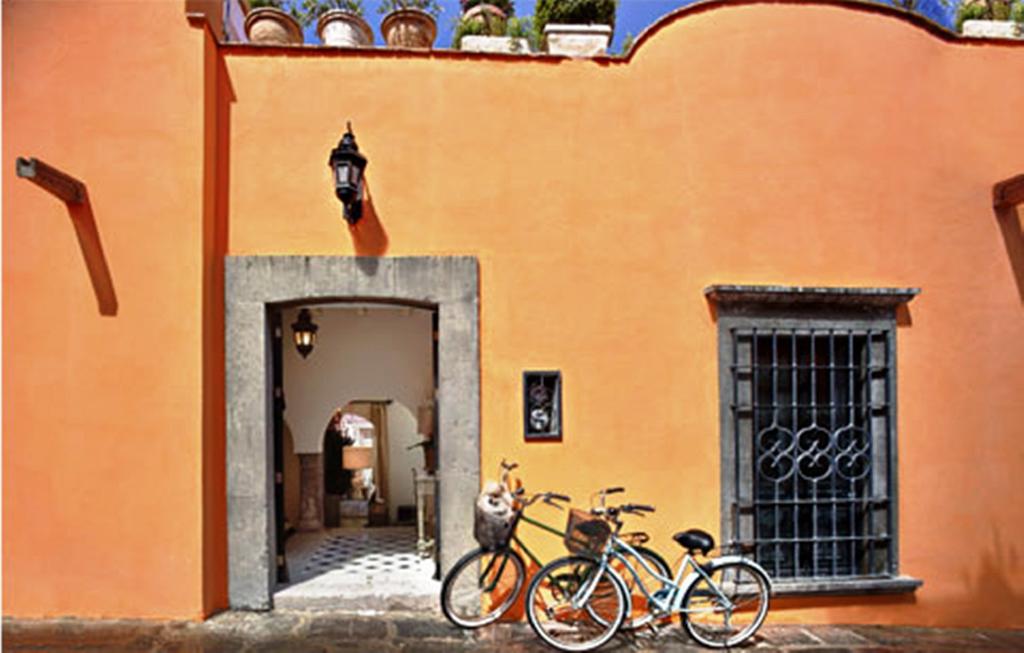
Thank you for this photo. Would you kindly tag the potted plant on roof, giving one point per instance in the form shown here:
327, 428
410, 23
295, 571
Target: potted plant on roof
409, 23
490, 27
991, 18
338, 22
578, 28
268, 23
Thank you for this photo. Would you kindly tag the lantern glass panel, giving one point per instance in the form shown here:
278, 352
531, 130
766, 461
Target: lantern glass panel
342, 173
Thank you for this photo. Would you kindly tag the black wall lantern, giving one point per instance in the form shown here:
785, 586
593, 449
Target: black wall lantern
348, 165
305, 332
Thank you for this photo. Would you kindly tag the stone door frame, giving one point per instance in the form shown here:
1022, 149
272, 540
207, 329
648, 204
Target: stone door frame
253, 284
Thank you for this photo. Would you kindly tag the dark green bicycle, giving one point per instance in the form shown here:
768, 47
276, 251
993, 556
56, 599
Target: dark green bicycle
486, 582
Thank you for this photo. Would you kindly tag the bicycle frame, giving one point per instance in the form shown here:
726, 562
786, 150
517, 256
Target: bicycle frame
522, 546
677, 586
541, 525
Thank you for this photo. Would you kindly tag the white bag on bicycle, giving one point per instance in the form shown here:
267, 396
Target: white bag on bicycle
495, 516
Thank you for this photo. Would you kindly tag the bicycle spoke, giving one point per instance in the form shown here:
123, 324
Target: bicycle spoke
573, 610
728, 607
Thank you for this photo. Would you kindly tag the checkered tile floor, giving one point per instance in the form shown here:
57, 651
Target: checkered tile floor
375, 569
353, 554
364, 552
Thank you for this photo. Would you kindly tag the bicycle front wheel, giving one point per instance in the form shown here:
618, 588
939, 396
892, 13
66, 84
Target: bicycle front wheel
482, 586
559, 615
729, 609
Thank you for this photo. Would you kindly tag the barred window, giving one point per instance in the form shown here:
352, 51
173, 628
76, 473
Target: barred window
808, 437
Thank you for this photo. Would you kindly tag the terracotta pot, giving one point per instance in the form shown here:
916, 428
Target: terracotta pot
271, 26
486, 14
338, 27
409, 28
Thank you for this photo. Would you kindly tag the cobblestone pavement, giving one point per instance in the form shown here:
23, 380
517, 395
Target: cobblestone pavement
307, 631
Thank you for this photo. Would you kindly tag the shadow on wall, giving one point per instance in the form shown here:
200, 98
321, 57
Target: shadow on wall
368, 235
994, 580
75, 196
1009, 219
225, 97
92, 251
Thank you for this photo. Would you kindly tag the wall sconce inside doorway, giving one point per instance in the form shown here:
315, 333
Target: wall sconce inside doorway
347, 165
304, 332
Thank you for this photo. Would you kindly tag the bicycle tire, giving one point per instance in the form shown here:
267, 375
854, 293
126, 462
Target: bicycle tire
552, 616
743, 585
466, 602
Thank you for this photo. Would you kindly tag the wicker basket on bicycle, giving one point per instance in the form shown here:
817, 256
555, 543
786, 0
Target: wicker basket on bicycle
586, 534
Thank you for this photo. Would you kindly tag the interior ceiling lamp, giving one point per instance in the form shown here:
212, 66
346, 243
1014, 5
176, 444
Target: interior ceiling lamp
305, 332
348, 165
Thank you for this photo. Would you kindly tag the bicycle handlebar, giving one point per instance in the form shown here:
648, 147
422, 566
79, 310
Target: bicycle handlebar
637, 507
612, 513
546, 497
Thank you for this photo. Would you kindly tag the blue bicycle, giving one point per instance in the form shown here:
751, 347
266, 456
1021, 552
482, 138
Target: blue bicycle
579, 602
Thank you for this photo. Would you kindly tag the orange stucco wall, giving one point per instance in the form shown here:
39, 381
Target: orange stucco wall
761, 143
102, 414
799, 145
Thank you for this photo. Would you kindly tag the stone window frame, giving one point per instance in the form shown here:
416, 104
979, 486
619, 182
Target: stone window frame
744, 306
254, 285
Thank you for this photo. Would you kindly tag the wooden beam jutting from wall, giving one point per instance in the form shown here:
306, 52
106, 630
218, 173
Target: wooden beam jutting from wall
1009, 192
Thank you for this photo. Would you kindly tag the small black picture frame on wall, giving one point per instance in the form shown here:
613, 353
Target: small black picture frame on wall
542, 405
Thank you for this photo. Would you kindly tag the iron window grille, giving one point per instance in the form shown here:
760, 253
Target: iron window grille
809, 442
812, 407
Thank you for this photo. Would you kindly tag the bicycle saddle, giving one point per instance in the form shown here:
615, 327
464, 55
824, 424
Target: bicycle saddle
695, 539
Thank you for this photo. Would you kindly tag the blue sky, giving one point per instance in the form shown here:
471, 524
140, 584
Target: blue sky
633, 16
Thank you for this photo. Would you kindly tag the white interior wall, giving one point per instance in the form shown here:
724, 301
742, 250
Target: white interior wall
401, 434
379, 352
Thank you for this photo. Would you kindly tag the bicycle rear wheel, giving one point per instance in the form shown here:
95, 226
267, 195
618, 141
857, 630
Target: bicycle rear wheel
728, 610
482, 586
569, 625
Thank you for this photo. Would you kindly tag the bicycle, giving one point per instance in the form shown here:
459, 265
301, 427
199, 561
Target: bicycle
486, 582
722, 602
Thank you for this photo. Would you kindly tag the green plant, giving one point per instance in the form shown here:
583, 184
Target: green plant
287, 6
521, 28
989, 10
432, 7
506, 6
489, 26
577, 12
516, 28
312, 9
